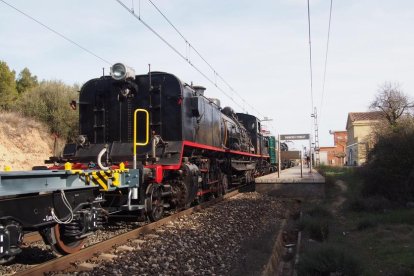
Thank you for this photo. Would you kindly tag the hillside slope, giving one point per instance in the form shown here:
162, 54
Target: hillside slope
24, 143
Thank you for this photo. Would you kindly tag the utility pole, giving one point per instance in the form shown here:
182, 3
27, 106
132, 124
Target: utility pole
278, 156
316, 149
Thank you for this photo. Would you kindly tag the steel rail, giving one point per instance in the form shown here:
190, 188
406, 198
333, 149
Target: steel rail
65, 262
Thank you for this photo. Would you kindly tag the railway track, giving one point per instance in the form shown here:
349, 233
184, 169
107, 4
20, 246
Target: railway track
65, 262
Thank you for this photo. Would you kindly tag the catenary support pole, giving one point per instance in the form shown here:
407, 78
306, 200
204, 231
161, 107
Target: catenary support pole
310, 154
301, 164
278, 156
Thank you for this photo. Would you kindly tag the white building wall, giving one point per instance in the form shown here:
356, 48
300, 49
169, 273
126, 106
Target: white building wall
323, 157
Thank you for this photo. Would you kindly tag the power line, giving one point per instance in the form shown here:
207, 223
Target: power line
56, 32
216, 74
326, 56
159, 36
310, 57
176, 51
313, 108
186, 57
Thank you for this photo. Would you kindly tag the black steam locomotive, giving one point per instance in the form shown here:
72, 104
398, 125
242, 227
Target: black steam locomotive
186, 146
146, 143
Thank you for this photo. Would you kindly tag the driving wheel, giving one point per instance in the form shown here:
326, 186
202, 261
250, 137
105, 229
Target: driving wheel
154, 204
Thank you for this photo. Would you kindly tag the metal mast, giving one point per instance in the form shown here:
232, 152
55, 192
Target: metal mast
316, 149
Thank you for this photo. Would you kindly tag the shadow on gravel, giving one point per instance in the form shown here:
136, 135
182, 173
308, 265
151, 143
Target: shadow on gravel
248, 188
34, 255
256, 253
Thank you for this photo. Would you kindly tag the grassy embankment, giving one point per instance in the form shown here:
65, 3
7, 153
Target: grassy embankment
372, 235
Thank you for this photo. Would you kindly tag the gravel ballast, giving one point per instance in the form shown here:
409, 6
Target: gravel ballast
234, 237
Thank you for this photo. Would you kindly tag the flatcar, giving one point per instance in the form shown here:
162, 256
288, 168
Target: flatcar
64, 206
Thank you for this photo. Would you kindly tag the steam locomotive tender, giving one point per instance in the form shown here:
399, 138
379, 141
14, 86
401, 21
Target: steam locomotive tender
185, 145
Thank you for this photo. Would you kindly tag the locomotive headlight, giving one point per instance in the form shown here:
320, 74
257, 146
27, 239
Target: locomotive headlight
81, 140
120, 71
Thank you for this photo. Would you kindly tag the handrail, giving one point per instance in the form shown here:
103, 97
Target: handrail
135, 133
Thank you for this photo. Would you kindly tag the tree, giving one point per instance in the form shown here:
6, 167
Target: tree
389, 170
49, 103
8, 92
392, 102
25, 81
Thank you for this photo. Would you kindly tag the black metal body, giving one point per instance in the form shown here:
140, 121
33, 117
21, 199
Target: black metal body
177, 113
195, 146
195, 150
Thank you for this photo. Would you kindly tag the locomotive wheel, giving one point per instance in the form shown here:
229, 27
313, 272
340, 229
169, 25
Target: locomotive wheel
249, 177
224, 184
154, 204
180, 194
63, 245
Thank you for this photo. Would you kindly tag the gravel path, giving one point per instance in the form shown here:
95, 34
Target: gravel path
231, 238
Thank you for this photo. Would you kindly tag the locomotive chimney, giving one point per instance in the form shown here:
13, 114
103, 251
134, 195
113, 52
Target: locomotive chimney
199, 90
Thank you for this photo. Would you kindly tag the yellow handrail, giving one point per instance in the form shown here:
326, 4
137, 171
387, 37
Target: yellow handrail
146, 130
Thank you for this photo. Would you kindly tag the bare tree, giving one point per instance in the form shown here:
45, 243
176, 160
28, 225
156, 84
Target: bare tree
392, 101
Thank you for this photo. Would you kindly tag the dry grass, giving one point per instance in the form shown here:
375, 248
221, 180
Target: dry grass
14, 120
382, 238
24, 142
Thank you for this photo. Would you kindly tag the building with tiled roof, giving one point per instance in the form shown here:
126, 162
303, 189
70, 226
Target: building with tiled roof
365, 116
359, 127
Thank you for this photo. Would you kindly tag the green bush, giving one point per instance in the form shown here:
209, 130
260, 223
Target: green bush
315, 221
8, 92
369, 204
389, 171
399, 271
316, 227
49, 103
319, 211
366, 223
328, 259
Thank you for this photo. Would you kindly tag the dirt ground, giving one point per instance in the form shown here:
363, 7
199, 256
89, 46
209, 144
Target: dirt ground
24, 143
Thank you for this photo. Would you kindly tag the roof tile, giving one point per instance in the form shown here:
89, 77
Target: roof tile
366, 116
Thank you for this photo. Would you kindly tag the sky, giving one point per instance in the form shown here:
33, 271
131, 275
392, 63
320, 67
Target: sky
260, 48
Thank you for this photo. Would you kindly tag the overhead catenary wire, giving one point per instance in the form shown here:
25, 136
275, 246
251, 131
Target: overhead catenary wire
106, 61
310, 58
177, 52
311, 82
190, 46
186, 57
216, 74
326, 58
56, 32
